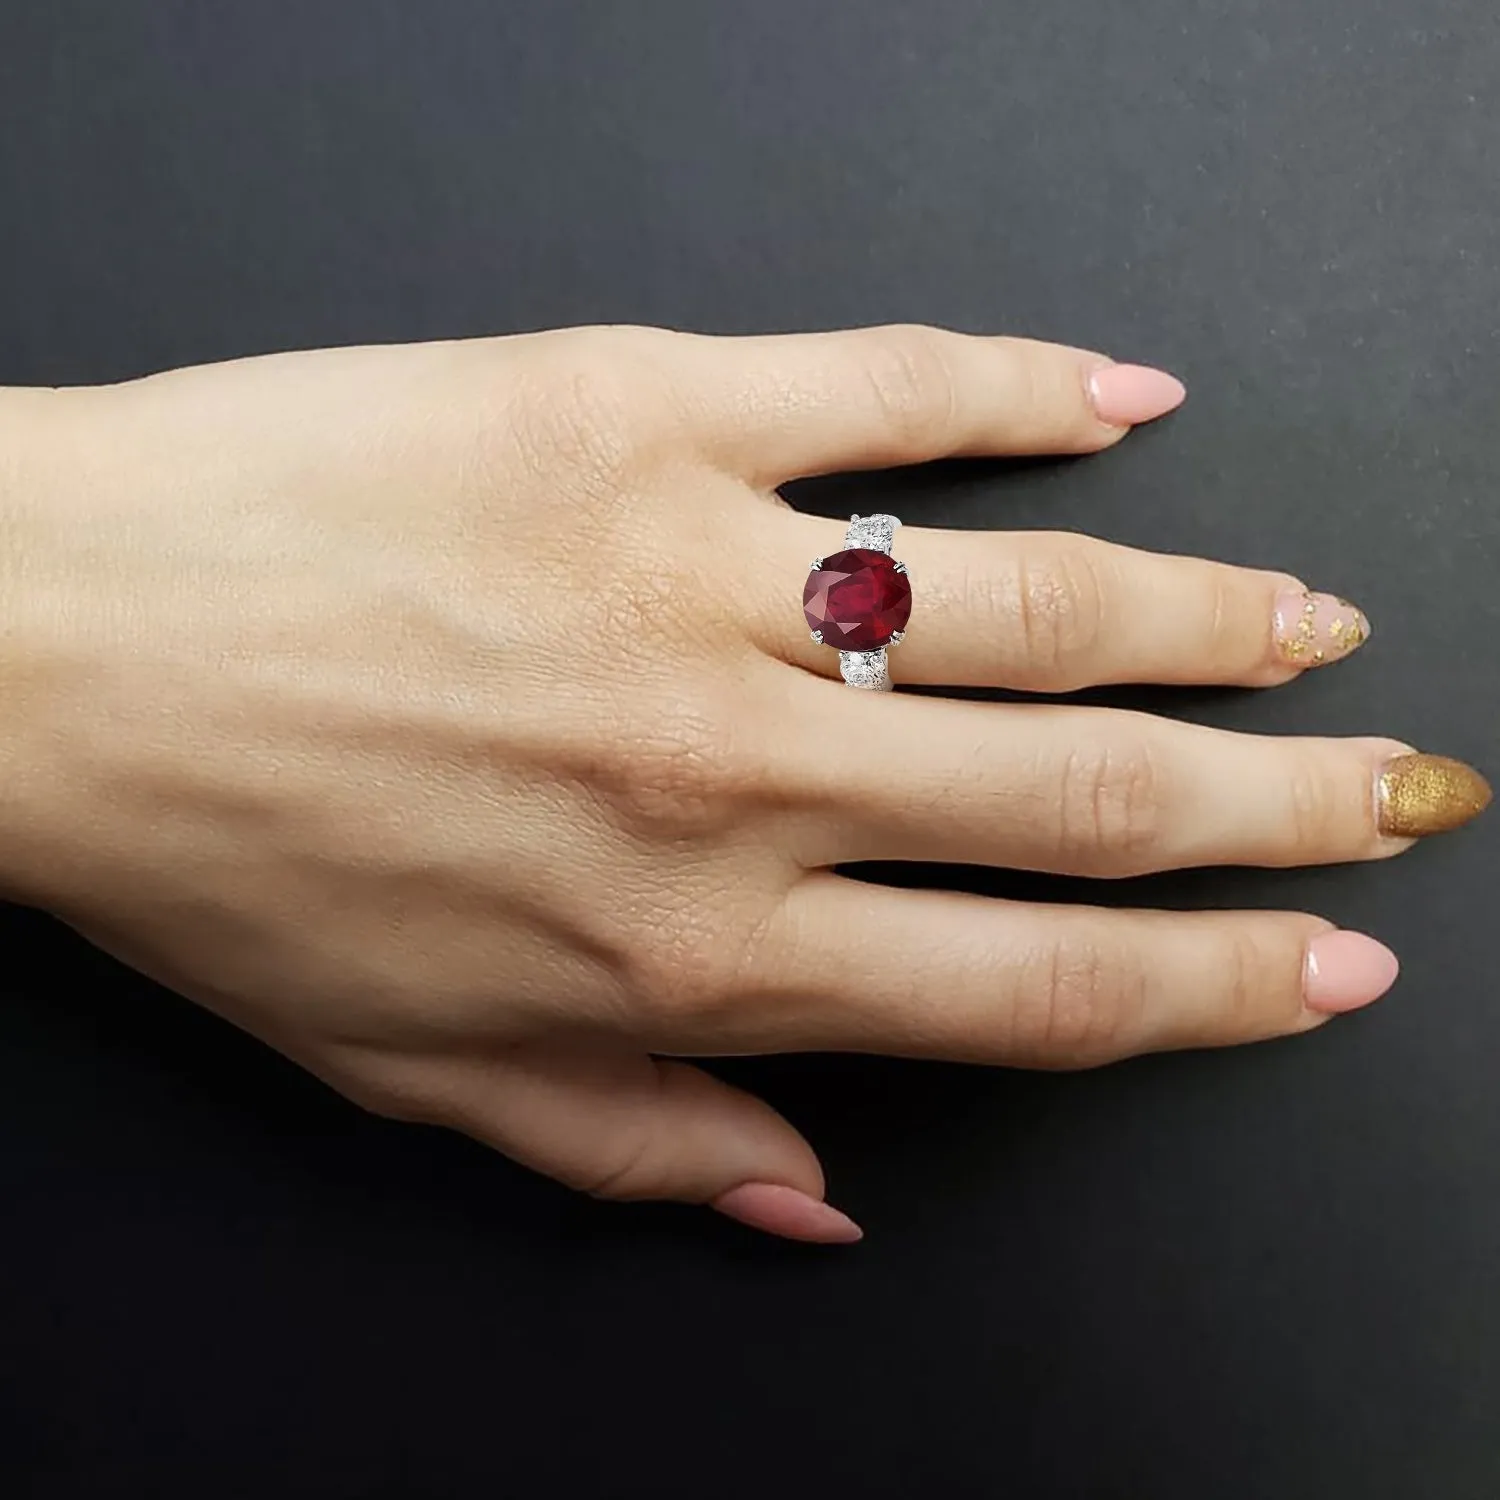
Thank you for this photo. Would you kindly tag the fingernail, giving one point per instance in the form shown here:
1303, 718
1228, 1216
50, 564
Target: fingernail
1345, 970
1314, 629
1421, 794
1124, 395
787, 1212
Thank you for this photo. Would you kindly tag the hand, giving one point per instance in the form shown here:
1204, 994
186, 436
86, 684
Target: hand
444, 716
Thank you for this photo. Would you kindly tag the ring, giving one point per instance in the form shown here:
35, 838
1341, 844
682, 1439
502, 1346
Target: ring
859, 600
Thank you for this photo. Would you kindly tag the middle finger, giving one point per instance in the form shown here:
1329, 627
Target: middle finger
1105, 793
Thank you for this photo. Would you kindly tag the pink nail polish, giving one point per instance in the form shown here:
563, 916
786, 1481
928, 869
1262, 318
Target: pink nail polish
787, 1212
1124, 395
1346, 970
1312, 630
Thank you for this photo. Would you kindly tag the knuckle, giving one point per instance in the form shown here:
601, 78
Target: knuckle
682, 773
1325, 808
912, 383
1060, 607
1257, 978
681, 975
693, 967
586, 397
1110, 807
631, 1173
1226, 636
1083, 1004
1044, 412
580, 416
1244, 985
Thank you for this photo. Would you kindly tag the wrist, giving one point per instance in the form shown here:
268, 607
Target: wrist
39, 431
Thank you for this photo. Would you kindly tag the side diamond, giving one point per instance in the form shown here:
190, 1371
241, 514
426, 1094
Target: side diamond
875, 532
865, 669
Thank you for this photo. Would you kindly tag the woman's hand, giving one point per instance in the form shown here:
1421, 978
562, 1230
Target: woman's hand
445, 716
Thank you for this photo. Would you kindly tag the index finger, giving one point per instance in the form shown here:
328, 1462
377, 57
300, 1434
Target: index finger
780, 407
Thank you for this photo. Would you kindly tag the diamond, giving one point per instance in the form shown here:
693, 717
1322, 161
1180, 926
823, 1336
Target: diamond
865, 669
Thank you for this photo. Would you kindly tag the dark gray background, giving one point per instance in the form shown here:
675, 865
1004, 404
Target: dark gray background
1263, 1273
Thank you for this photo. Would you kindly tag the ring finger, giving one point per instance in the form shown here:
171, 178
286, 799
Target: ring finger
1053, 612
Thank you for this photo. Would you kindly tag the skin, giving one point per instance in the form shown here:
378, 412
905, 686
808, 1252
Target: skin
399, 705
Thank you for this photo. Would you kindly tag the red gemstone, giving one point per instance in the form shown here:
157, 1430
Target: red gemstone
857, 599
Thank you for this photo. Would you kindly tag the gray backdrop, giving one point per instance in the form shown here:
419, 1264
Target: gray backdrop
1271, 1272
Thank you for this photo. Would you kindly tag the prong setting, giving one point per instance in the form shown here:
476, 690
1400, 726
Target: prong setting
861, 601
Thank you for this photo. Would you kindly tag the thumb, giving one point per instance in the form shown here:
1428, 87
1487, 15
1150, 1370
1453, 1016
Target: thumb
625, 1125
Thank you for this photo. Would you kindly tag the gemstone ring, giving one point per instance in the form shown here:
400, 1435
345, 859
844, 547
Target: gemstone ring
859, 600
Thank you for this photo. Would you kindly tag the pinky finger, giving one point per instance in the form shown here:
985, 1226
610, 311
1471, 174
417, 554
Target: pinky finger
968, 978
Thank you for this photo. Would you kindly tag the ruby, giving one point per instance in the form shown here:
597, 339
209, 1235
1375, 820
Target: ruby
857, 599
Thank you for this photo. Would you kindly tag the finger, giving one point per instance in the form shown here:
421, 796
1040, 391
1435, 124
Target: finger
935, 974
1105, 793
773, 409
1053, 612
623, 1125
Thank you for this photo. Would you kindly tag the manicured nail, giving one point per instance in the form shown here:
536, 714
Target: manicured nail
1312, 630
1421, 794
1345, 970
1124, 395
785, 1211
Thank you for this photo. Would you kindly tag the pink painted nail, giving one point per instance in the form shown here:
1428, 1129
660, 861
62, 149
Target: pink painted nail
785, 1211
1312, 630
1345, 970
1124, 395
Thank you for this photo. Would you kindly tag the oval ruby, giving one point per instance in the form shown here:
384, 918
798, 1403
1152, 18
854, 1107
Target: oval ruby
857, 599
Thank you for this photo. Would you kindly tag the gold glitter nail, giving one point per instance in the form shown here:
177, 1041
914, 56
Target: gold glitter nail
1423, 794
1312, 629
